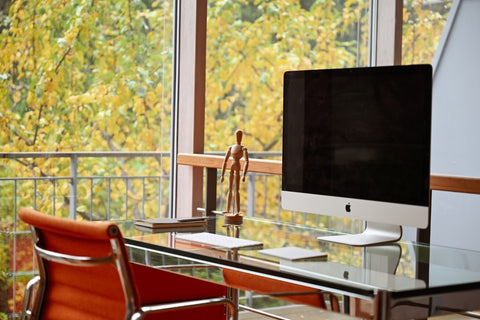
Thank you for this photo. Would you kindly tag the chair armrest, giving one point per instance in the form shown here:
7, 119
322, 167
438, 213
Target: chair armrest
164, 307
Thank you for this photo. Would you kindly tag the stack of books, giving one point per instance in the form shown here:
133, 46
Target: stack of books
192, 224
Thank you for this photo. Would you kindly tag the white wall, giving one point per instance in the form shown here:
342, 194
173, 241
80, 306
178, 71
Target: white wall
456, 126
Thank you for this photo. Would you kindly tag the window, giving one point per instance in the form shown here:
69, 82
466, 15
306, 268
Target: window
84, 76
250, 44
423, 23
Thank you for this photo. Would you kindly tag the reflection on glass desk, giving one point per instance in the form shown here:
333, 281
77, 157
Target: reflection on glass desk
399, 281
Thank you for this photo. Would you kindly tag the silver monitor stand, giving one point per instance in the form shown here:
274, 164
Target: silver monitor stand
374, 234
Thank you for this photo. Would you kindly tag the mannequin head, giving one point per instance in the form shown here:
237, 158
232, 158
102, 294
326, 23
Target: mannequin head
239, 135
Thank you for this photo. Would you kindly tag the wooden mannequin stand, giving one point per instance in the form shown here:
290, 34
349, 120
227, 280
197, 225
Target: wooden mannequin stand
233, 218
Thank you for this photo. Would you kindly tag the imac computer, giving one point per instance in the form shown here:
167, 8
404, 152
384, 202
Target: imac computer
356, 144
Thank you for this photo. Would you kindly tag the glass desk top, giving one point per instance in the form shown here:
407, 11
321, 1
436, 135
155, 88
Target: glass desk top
403, 270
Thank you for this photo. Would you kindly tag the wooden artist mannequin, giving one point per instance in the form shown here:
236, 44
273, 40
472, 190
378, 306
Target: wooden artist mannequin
236, 151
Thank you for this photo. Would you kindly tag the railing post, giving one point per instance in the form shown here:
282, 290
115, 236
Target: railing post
211, 197
73, 186
251, 196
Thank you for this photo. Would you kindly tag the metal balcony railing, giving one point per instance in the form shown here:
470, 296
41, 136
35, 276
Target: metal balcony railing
96, 194
131, 195
74, 180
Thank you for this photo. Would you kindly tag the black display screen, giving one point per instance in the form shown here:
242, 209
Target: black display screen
359, 133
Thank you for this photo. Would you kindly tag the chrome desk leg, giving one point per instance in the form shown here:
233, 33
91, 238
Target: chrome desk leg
232, 294
381, 309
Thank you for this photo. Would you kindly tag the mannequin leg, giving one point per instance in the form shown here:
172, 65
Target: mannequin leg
237, 192
229, 193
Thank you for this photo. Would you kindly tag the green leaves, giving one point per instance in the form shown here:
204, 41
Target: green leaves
69, 63
249, 46
423, 24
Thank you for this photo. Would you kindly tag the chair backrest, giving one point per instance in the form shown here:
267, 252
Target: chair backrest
83, 268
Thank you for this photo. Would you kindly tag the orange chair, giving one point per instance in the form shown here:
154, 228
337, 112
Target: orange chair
279, 289
84, 273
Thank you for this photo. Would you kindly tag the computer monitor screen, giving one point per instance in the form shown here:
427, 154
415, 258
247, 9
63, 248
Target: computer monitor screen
356, 143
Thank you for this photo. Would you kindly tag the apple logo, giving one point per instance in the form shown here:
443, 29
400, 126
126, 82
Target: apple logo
348, 207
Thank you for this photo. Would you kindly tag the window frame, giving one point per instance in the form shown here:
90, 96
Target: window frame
386, 21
